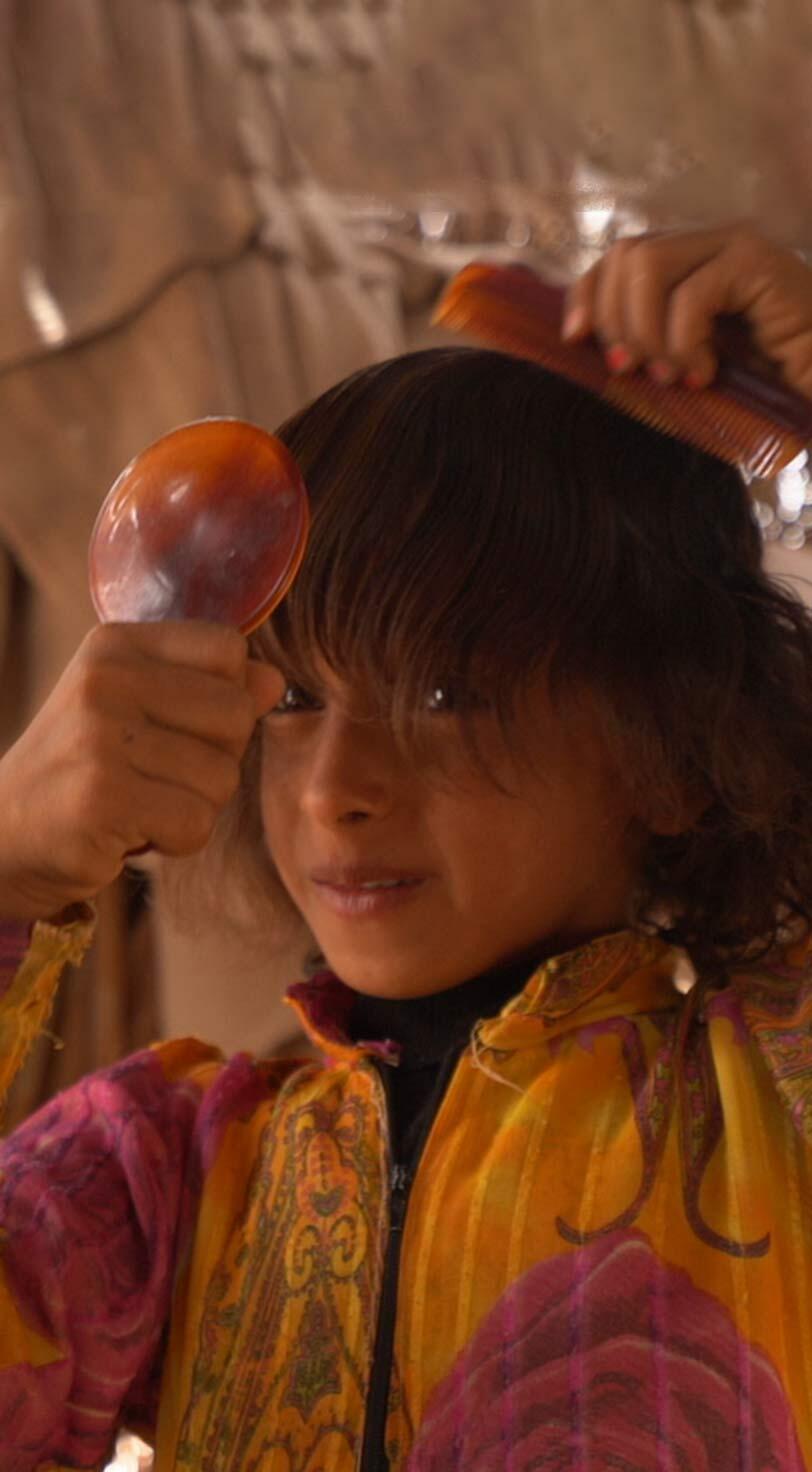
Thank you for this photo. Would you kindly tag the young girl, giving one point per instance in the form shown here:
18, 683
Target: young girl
531, 726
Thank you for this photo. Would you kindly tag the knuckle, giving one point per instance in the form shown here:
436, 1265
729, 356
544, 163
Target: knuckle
97, 641
747, 243
91, 675
689, 313
621, 249
243, 719
107, 642
233, 649
643, 260
231, 725
183, 824
93, 862
101, 669
196, 823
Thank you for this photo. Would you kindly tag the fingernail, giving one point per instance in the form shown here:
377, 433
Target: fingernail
618, 358
694, 379
574, 322
662, 371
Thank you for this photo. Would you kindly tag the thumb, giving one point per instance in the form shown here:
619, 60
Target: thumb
265, 683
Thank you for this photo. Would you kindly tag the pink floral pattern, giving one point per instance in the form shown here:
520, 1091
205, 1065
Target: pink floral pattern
97, 1194
608, 1358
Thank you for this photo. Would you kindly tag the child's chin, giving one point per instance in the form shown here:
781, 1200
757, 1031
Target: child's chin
379, 978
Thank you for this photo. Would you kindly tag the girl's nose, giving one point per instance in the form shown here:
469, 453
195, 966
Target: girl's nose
352, 772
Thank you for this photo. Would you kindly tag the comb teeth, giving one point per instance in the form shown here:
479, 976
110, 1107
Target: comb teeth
513, 309
709, 421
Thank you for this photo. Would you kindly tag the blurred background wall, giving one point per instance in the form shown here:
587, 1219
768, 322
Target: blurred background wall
222, 206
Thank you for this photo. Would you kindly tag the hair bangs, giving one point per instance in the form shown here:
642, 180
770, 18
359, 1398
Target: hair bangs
448, 545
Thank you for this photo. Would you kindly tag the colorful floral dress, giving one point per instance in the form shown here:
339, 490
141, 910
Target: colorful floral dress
606, 1258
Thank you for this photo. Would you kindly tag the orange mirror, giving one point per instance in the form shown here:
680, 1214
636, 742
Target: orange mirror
209, 522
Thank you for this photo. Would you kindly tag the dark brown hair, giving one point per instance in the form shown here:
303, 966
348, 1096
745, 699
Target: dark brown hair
477, 520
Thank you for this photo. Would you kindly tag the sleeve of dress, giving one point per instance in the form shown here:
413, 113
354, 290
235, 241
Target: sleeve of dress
95, 1192
32, 959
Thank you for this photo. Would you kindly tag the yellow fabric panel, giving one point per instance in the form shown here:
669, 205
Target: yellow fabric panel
509, 1167
274, 1312
27, 1005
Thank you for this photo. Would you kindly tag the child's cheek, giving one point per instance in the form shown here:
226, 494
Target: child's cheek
283, 768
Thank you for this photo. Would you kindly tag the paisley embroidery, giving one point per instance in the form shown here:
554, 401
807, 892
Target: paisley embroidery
566, 983
286, 1328
682, 1070
652, 1094
779, 1018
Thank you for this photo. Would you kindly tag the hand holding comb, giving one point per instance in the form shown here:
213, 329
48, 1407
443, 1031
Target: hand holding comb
747, 417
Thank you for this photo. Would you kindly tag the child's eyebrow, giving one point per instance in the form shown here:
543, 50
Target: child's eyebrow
296, 672
270, 650
295, 675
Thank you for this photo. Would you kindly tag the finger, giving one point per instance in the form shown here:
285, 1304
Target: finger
214, 648
184, 762
581, 309
748, 277
645, 305
158, 815
692, 311
173, 820
622, 298
265, 684
579, 306
610, 306
671, 272
200, 704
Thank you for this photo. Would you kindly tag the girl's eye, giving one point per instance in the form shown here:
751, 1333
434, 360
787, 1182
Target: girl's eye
450, 700
295, 699
440, 700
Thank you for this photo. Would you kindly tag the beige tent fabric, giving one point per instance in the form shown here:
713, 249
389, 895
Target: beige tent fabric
115, 167
529, 118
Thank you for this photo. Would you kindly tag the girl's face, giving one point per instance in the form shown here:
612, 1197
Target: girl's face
412, 883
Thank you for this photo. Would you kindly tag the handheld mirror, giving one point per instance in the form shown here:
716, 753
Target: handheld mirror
208, 522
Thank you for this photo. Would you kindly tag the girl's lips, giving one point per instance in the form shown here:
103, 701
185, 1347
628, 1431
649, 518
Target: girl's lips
354, 902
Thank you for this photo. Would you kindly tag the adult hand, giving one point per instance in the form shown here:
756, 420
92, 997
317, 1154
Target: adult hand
652, 300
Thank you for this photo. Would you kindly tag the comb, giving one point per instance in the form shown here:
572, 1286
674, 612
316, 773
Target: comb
747, 417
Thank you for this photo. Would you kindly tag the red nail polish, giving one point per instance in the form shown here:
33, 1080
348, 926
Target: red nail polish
661, 371
618, 358
694, 380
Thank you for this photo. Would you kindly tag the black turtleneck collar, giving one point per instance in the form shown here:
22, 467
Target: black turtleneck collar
428, 1027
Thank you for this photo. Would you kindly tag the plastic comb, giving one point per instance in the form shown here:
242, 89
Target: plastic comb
747, 417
